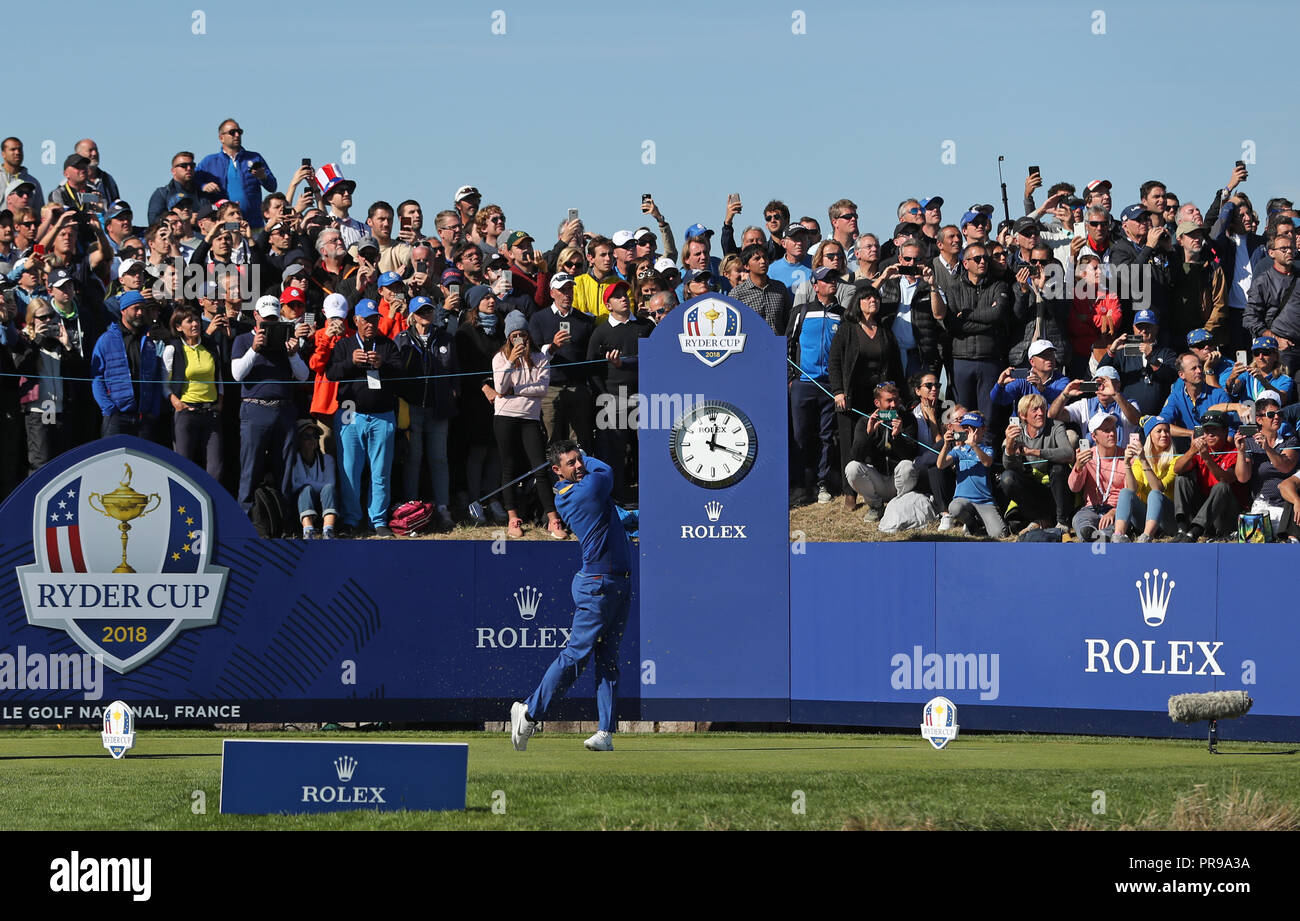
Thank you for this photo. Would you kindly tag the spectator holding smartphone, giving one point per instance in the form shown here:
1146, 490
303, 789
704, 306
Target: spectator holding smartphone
428, 358
1274, 455
1211, 488
1146, 502
50, 402
1214, 366
1098, 474
1146, 369
520, 376
1250, 381
1076, 406
1038, 456
366, 367
883, 440
972, 496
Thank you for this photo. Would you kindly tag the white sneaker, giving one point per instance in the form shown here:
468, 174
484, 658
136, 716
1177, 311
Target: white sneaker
600, 742
945, 522
823, 495
520, 726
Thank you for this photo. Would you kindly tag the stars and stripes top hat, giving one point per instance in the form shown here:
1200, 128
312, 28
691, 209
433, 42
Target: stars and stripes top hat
329, 179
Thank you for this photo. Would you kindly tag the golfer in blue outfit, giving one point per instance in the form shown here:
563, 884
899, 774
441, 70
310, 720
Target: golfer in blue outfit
601, 591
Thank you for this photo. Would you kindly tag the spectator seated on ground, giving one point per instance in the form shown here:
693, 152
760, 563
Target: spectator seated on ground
1037, 455
1211, 487
1098, 474
973, 496
1146, 502
883, 440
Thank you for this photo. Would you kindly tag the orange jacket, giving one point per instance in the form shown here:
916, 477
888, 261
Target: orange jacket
325, 393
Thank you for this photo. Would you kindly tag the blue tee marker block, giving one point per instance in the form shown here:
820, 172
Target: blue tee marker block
275, 777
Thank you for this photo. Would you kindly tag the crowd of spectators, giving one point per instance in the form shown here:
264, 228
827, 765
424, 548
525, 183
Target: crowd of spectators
1071, 372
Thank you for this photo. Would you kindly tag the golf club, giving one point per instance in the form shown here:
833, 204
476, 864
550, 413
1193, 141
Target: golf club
476, 507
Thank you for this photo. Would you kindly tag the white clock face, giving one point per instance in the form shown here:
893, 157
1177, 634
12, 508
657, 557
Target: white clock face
714, 445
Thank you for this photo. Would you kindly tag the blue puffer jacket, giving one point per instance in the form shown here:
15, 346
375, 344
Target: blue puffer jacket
112, 385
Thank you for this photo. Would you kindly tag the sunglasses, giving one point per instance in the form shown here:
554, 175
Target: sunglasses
572, 264
930, 386
978, 258
646, 274
1271, 414
50, 316
912, 211
188, 164
772, 217
1040, 262
851, 216
1097, 223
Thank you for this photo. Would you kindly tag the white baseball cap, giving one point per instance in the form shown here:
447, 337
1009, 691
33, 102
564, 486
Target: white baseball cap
664, 264
1099, 419
560, 279
268, 305
127, 265
622, 238
335, 307
1039, 346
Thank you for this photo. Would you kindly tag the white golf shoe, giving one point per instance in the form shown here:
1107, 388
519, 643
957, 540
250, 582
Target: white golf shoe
600, 742
520, 726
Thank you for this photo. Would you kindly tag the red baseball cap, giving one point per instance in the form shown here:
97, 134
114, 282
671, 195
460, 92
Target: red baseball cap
292, 293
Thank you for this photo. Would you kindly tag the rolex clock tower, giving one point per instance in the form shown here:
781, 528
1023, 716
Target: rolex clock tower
715, 540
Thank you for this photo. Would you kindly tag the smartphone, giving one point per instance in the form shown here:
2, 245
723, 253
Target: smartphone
733, 198
958, 438
422, 265
406, 222
1241, 163
232, 226
1198, 431
1135, 440
1131, 347
509, 276
646, 197
306, 161
1032, 170
912, 270
1242, 358
1250, 431
573, 214
38, 249
886, 415
454, 289
1088, 388
564, 326
1020, 374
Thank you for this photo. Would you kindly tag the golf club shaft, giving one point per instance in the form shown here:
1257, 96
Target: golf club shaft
512, 482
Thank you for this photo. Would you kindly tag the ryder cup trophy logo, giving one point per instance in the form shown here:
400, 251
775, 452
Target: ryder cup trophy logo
939, 724
119, 729
123, 546
711, 331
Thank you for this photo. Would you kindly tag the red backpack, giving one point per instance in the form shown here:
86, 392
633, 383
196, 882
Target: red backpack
411, 518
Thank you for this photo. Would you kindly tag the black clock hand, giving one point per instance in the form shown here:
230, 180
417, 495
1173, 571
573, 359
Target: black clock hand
732, 451
713, 441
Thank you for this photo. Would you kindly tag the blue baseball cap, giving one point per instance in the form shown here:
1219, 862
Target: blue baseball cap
1134, 213
421, 303
389, 279
971, 217
1146, 316
697, 230
1262, 343
1197, 336
129, 299
179, 197
1149, 424
365, 308
824, 272
974, 419
927, 203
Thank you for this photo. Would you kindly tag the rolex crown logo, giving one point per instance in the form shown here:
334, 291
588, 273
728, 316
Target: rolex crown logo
713, 509
527, 600
345, 765
1154, 592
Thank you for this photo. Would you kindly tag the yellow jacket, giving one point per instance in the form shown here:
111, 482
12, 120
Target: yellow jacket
589, 295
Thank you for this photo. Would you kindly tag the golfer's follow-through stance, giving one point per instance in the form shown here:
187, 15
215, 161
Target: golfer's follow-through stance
601, 591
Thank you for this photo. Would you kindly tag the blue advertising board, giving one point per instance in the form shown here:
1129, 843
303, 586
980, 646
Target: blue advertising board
277, 777
214, 624
716, 534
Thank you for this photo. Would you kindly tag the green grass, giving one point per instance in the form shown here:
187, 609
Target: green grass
66, 780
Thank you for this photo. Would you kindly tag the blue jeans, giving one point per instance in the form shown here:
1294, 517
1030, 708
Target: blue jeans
1136, 512
366, 441
311, 502
602, 608
428, 442
265, 433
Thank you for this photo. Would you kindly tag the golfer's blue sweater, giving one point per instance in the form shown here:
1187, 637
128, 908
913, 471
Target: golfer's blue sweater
588, 510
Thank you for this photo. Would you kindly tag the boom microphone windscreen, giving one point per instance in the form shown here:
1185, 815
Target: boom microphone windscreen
1216, 705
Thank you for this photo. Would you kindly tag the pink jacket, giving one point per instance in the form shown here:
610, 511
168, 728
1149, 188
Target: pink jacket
521, 389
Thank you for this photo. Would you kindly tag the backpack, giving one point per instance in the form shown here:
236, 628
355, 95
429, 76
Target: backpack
411, 518
269, 514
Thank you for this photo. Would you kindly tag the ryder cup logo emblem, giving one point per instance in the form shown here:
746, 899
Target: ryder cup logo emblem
939, 725
123, 548
711, 331
119, 729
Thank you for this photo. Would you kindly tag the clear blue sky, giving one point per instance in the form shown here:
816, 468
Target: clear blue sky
553, 113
